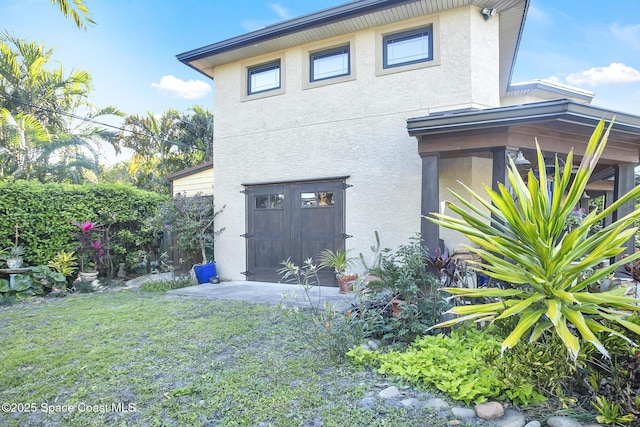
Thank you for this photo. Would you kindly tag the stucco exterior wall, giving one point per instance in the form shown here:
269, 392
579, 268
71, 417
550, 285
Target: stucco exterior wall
354, 128
199, 182
475, 173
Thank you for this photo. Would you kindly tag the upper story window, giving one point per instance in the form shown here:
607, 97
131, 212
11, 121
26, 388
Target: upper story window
264, 77
329, 63
407, 47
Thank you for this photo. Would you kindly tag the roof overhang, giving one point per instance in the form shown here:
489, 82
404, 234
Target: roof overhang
544, 88
558, 126
190, 171
352, 17
562, 110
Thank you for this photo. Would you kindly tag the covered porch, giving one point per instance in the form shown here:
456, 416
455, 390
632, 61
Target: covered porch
490, 136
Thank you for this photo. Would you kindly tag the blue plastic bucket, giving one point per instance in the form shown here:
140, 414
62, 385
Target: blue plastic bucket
205, 272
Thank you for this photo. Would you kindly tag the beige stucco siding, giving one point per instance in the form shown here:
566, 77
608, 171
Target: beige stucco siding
199, 182
355, 128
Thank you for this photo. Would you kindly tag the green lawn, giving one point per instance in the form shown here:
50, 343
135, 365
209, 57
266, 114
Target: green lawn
173, 361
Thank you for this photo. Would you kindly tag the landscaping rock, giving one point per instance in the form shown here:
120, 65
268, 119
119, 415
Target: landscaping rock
562, 422
533, 424
511, 418
463, 413
373, 344
489, 410
367, 402
390, 393
436, 404
410, 402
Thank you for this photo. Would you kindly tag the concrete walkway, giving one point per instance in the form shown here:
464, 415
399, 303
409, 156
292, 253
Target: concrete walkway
269, 293
257, 292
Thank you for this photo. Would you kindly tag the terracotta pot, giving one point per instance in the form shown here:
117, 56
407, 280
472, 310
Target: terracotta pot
345, 282
396, 308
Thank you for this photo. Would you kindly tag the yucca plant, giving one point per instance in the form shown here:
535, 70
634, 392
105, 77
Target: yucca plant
522, 239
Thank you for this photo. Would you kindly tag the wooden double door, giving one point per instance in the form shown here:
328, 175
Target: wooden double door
295, 221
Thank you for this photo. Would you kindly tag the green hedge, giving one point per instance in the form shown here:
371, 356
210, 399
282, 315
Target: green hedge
45, 212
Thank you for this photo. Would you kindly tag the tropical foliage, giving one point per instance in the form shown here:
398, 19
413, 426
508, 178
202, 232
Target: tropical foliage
166, 143
46, 125
78, 11
521, 237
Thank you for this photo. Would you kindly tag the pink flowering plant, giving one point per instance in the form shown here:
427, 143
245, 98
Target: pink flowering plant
90, 248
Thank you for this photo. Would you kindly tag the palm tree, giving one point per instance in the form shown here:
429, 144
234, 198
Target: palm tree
30, 91
78, 14
155, 143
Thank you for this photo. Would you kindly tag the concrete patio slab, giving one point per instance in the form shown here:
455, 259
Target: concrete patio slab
269, 293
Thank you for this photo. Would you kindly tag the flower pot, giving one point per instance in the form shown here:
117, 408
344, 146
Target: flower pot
396, 307
345, 282
14, 263
88, 276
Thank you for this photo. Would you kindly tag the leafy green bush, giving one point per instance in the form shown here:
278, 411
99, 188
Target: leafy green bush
192, 218
459, 365
45, 213
404, 276
38, 281
521, 235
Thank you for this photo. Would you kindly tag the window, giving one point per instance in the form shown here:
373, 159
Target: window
407, 47
264, 77
329, 63
319, 198
270, 201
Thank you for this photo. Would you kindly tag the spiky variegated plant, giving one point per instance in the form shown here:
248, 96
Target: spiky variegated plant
525, 244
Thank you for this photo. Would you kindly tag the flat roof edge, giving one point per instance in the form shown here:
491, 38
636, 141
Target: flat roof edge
502, 116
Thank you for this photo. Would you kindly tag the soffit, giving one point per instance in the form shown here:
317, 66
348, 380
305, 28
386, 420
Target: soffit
331, 22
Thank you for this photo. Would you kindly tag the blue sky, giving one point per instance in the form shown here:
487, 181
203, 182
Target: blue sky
130, 53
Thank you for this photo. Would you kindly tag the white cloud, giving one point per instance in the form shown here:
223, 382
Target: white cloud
280, 10
617, 72
627, 35
190, 89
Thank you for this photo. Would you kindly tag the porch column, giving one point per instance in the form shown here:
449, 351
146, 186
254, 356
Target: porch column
499, 172
608, 201
624, 182
430, 201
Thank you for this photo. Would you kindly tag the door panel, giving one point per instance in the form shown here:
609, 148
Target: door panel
296, 221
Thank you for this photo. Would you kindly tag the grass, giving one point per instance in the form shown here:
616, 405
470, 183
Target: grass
177, 361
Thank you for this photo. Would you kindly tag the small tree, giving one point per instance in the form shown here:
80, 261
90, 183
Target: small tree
192, 219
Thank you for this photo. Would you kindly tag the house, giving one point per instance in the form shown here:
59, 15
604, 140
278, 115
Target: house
197, 179
358, 118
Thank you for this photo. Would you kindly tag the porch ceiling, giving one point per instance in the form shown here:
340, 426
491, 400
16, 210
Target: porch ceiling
558, 127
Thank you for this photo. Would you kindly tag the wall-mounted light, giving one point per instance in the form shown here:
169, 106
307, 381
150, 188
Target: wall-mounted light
488, 12
522, 164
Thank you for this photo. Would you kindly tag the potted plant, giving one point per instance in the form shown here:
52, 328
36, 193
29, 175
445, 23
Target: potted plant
13, 256
90, 250
64, 263
340, 262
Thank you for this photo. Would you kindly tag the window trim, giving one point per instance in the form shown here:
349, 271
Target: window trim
407, 35
253, 63
332, 51
326, 45
402, 28
268, 66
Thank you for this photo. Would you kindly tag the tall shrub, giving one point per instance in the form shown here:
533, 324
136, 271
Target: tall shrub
45, 214
523, 241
